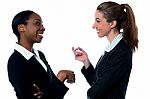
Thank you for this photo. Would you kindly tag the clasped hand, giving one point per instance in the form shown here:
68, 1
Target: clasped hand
63, 75
66, 75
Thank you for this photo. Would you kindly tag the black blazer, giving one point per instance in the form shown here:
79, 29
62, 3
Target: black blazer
110, 78
23, 73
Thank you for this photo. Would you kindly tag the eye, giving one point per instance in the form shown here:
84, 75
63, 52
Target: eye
97, 20
38, 23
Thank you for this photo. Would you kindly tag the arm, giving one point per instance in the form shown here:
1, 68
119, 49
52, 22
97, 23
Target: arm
89, 74
118, 65
82, 56
62, 76
88, 69
19, 77
57, 82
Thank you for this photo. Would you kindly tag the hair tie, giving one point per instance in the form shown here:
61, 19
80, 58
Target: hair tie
123, 7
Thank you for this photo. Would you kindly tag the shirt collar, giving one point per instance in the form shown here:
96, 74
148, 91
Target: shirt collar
114, 42
27, 54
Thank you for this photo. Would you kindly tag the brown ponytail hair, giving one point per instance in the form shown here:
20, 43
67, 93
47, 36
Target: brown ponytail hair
125, 18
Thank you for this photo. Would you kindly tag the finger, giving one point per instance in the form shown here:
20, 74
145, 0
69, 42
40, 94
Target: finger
78, 52
74, 51
71, 77
38, 94
70, 81
41, 94
72, 48
37, 88
39, 97
80, 49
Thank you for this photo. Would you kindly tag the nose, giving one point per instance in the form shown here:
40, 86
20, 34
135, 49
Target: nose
94, 26
42, 28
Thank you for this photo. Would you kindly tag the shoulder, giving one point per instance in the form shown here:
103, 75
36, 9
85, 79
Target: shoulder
121, 55
121, 51
122, 48
15, 56
16, 59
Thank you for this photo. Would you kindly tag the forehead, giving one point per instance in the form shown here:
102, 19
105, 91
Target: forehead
99, 14
35, 16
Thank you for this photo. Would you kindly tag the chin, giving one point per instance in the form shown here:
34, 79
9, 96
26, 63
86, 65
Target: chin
100, 36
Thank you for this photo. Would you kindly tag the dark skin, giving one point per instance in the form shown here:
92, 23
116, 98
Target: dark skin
62, 75
32, 33
38, 94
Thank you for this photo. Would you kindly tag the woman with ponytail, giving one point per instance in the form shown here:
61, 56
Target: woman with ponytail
109, 79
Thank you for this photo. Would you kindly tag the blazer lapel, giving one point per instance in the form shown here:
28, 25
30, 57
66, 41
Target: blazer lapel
49, 71
101, 59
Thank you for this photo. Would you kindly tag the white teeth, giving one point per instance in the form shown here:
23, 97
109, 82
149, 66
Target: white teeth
40, 34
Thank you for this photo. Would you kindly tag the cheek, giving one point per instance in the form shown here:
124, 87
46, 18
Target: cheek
103, 31
105, 27
37, 28
101, 26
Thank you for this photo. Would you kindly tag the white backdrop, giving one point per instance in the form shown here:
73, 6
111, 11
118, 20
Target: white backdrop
69, 23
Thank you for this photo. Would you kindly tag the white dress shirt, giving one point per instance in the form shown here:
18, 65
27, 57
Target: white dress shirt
115, 41
27, 54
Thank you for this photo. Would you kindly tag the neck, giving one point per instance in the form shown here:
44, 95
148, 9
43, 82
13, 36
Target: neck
112, 35
26, 45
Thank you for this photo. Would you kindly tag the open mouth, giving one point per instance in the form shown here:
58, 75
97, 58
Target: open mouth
41, 35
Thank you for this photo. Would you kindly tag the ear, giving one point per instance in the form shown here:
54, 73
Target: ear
113, 23
21, 28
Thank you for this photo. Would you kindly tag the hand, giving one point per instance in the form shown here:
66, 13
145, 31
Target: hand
81, 55
70, 76
38, 94
67, 75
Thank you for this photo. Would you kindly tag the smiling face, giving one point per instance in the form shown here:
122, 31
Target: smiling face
101, 25
33, 31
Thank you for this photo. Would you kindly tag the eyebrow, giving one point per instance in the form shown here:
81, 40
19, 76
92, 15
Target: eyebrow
97, 18
38, 20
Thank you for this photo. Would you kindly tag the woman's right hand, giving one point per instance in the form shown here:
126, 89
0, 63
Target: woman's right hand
38, 93
67, 75
81, 55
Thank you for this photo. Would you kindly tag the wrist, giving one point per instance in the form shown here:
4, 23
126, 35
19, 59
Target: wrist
87, 64
61, 75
